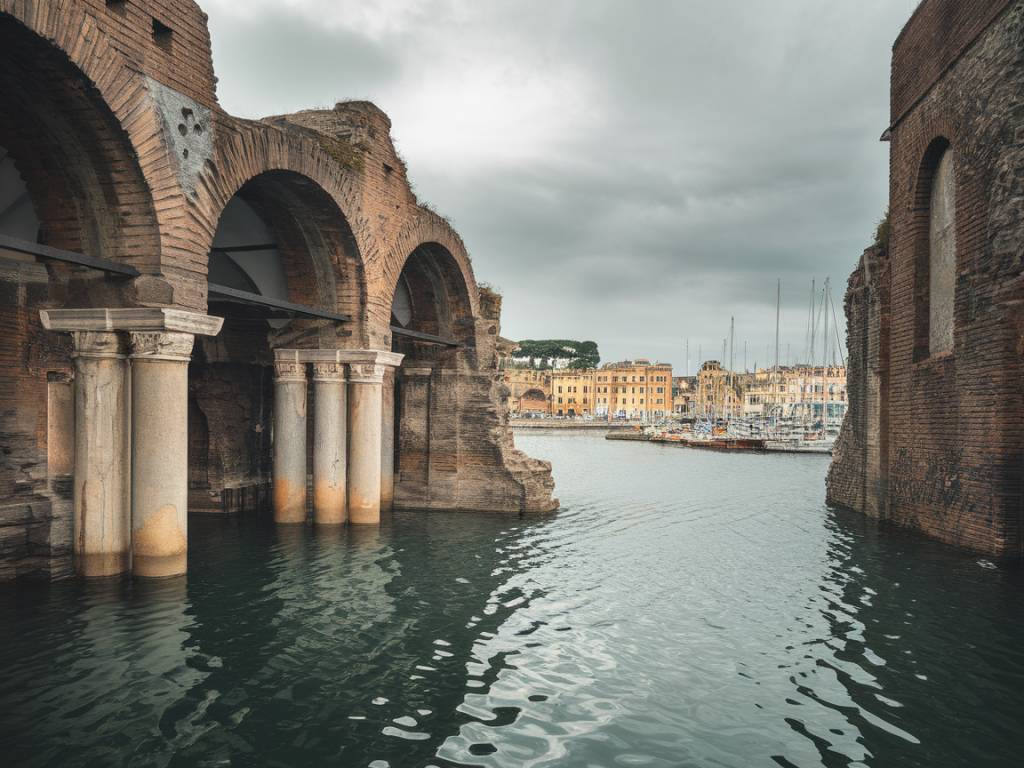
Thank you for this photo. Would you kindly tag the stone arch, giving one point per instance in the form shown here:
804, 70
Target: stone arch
432, 290
315, 245
301, 192
430, 264
78, 164
933, 224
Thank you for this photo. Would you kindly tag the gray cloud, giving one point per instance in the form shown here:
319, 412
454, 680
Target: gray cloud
638, 171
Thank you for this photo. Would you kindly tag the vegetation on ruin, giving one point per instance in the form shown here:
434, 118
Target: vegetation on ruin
345, 152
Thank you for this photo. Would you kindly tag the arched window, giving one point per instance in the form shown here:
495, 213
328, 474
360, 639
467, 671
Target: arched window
934, 233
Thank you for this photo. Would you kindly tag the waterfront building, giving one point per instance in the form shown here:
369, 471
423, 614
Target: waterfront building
179, 288
573, 392
634, 389
719, 392
933, 437
684, 392
797, 392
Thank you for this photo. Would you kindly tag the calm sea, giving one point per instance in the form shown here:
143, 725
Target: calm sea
683, 608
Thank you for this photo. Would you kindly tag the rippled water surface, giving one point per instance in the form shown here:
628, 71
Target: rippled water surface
682, 609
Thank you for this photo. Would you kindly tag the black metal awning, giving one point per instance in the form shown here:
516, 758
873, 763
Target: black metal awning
68, 257
272, 308
429, 338
245, 248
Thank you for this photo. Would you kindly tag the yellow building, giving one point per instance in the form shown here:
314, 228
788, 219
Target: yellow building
634, 389
529, 390
572, 392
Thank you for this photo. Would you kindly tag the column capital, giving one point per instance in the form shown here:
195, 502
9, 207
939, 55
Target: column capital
131, 319
161, 345
366, 373
289, 370
328, 371
98, 344
346, 356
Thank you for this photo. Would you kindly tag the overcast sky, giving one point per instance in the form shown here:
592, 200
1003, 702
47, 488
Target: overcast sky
628, 172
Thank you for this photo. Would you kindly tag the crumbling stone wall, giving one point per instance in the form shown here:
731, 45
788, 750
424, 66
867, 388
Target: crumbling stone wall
856, 477
111, 114
950, 427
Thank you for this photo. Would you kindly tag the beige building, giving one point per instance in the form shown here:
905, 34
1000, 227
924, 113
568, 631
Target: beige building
634, 389
719, 392
796, 392
684, 394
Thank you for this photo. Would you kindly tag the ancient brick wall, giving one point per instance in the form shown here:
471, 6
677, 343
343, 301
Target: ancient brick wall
110, 111
855, 478
950, 428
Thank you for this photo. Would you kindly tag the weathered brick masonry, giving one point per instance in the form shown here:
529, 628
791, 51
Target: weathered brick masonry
108, 112
935, 440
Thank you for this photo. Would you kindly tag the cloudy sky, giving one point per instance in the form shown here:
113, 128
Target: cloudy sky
629, 172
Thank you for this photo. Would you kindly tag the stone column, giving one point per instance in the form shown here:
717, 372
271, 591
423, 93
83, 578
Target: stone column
102, 522
289, 440
364, 476
112, 508
159, 361
387, 441
329, 444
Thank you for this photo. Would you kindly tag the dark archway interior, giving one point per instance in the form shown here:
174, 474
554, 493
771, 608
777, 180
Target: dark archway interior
280, 237
431, 297
75, 162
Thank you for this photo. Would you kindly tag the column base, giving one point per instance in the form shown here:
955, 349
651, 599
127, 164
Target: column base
102, 564
160, 566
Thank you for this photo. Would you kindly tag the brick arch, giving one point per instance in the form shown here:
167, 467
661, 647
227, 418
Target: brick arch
80, 165
427, 229
301, 193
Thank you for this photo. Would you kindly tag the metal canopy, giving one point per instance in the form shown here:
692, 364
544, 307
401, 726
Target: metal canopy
245, 248
430, 338
68, 257
272, 307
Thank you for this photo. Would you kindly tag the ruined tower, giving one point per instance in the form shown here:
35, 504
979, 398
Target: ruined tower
934, 438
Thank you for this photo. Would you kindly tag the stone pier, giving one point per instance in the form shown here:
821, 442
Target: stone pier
130, 520
350, 470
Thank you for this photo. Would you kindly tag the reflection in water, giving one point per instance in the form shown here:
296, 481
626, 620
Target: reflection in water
682, 609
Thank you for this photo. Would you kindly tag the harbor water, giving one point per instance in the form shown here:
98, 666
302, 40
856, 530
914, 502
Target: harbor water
683, 608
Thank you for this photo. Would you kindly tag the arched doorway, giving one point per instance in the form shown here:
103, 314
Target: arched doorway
283, 273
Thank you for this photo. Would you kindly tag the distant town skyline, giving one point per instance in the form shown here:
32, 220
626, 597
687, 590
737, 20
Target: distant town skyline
632, 194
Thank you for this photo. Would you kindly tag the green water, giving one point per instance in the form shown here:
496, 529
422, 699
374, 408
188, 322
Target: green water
683, 608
